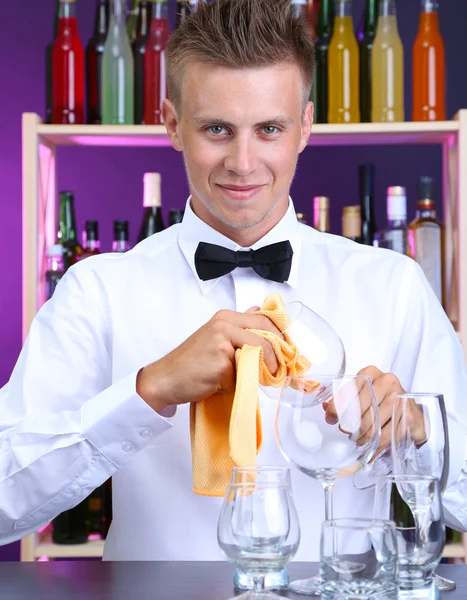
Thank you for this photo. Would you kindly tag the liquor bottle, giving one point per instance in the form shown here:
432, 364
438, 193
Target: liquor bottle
121, 238
71, 526
155, 88
387, 64
55, 269
132, 21
394, 237
67, 230
351, 223
183, 11
428, 67
366, 47
67, 69
302, 218
91, 243
312, 12
367, 193
344, 92
325, 30
426, 237
48, 67
94, 54
139, 48
321, 220
175, 216
152, 216
117, 71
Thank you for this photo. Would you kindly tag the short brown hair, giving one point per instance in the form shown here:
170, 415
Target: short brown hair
240, 34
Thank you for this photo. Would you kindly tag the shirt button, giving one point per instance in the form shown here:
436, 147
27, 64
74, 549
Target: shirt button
127, 446
145, 432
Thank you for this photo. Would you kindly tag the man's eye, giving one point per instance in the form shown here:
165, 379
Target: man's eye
216, 129
270, 129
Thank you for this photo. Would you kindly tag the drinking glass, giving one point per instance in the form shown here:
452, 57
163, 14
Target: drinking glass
371, 543
258, 529
413, 502
420, 444
322, 450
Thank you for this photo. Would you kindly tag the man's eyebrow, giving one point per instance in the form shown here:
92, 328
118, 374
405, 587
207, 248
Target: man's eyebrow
280, 120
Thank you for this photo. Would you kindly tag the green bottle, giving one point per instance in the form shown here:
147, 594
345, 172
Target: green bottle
67, 235
366, 46
117, 71
325, 30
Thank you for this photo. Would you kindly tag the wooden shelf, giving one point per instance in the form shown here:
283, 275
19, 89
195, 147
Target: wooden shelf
354, 134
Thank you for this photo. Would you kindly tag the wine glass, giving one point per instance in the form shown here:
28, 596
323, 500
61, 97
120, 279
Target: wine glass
413, 502
258, 529
322, 450
316, 340
420, 444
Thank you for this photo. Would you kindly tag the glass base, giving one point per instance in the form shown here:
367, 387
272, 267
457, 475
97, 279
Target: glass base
443, 584
251, 595
307, 587
426, 592
274, 580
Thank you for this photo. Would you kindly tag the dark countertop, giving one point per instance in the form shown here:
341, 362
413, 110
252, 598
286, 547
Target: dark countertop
70, 580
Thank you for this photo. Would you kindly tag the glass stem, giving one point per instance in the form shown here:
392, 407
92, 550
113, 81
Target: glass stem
328, 501
259, 583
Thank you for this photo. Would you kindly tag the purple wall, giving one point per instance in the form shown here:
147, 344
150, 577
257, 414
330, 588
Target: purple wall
108, 182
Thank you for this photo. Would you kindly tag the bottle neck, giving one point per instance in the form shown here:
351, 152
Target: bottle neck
118, 12
371, 17
343, 8
426, 213
101, 22
160, 10
67, 10
326, 18
387, 8
144, 19
428, 21
57, 16
67, 221
429, 6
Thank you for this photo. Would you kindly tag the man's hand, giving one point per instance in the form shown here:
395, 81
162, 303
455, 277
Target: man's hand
205, 363
385, 386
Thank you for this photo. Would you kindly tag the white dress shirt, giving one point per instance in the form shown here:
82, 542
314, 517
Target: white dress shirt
70, 416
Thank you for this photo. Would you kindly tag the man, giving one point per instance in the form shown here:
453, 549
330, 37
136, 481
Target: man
104, 383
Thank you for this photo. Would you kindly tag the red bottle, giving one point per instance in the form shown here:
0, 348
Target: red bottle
155, 80
67, 69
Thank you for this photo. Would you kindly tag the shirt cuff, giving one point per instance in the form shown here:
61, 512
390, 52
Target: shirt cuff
119, 423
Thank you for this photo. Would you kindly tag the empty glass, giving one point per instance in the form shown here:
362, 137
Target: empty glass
414, 504
322, 450
420, 444
258, 529
358, 559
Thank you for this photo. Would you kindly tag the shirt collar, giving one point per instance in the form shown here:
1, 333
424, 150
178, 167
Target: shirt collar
193, 230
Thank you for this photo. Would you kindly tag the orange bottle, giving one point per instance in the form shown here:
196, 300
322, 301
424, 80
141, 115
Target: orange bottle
429, 84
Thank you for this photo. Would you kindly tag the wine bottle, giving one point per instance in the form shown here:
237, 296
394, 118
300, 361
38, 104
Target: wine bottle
366, 48
91, 243
325, 30
394, 237
155, 87
139, 49
321, 220
67, 236
55, 269
121, 241
152, 216
117, 71
48, 67
67, 69
94, 54
367, 195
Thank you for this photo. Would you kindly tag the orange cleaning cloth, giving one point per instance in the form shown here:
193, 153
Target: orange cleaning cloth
225, 428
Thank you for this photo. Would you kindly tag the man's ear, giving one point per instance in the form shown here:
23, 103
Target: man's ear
170, 117
307, 122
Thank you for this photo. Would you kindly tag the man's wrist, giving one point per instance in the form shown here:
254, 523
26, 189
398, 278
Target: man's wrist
148, 390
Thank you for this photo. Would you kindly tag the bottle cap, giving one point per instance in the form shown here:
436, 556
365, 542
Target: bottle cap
121, 230
152, 189
426, 189
92, 231
396, 205
55, 250
321, 203
351, 222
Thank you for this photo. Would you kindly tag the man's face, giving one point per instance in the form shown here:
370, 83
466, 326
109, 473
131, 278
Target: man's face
240, 132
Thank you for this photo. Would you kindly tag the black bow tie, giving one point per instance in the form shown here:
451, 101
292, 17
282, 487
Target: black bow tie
271, 262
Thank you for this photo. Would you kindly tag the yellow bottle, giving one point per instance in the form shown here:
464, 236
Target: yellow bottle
387, 62
344, 94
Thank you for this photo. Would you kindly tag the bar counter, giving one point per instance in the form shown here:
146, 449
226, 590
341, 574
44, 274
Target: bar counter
87, 580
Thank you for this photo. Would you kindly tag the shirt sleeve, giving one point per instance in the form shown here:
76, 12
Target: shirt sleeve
65, 426
430, 359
